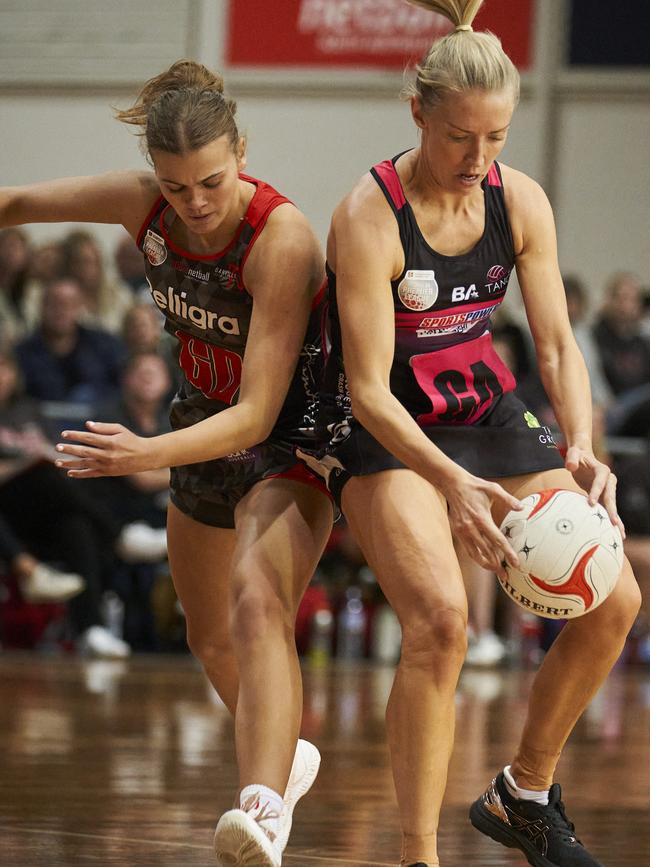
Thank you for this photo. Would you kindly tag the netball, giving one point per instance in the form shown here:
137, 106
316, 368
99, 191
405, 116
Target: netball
570, 554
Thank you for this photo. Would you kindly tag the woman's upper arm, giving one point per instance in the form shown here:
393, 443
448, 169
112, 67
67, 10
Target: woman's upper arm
538, 270
365, 253
115, 197
284, 273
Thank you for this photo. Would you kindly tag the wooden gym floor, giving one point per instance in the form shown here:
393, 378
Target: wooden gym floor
131, 764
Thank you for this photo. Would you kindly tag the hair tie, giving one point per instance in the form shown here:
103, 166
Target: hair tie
463, 27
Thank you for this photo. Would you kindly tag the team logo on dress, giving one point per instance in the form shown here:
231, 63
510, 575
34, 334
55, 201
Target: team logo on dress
531, 420
496, 272
154, 248
418, 290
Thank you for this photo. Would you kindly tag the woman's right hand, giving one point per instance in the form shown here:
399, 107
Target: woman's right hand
470, 501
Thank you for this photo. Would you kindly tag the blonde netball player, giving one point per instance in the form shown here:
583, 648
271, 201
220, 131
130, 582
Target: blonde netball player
238, 274
419, 256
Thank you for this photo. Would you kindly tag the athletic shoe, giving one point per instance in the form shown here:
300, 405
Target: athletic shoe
46, 584
303, 773
98, 642
140, 543
542, 833
240, 841
486, 650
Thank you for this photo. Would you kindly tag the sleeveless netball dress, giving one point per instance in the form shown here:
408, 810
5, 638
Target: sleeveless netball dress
445, 371
208, 311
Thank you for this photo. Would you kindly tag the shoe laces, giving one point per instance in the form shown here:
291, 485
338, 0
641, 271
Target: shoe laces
560, 820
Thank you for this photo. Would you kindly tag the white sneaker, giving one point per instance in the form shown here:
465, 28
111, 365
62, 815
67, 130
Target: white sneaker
487, 649
46, 584
306, 763
99, 642
140, 543
239, 841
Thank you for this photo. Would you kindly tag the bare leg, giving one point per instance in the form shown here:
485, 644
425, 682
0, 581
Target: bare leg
481, 587
200, 559
576, 665
282, 528
400, 522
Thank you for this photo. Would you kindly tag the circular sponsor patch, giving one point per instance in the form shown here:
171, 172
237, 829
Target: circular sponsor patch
154, 248
418, 290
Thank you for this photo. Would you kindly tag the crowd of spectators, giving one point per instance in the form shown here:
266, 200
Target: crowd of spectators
80, 338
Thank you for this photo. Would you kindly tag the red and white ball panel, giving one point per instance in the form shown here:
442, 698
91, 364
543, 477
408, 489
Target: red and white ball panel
570, 554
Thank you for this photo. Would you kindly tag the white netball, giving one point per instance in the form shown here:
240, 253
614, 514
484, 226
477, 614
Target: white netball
570, 554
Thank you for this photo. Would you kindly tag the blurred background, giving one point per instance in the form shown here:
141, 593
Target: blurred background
317, 84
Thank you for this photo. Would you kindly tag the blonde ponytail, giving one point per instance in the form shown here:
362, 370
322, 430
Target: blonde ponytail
462, 60
182, 109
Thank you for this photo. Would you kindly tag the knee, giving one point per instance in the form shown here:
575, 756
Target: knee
435, 637
257, 612
210, 648
620, 611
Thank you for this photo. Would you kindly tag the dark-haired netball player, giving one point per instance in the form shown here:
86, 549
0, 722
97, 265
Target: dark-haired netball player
424, 421
238, 274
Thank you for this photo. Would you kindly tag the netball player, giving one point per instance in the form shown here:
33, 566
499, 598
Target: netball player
419, 257
235, 268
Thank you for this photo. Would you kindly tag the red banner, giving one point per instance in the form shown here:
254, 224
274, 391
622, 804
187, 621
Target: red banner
382, 34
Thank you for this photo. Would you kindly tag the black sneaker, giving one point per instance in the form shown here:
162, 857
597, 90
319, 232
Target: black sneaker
544, 834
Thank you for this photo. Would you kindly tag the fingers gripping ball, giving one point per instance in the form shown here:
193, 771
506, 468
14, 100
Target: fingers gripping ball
570, 554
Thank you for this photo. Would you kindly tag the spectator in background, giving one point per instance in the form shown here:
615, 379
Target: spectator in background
142, 331
54, 519
105, 301
142, 407
65, 360
16, 300
624, 350
139, 501
129, 265
577, 306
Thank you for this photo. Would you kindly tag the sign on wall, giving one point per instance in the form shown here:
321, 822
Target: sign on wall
383, 34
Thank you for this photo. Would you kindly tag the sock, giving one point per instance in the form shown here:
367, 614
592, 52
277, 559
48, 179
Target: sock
524, 794
264, 805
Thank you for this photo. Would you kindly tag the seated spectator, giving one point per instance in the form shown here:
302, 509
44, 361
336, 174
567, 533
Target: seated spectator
142, 407
139, 501
129, 265
16, 299
105, 301
37, 582
577, 306
624, 350
53, 518
142, 331
65, 360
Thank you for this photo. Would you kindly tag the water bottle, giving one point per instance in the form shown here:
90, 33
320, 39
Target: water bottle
386, 638
113, 613
351, 632
320, 637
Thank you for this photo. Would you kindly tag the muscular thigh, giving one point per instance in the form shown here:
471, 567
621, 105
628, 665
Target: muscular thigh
200, 558
400, 522
282, 528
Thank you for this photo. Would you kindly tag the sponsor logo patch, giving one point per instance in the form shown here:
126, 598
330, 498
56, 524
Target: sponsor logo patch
154, 248
418, 290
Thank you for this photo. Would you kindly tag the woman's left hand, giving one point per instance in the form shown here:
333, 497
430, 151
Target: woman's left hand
596, 479
105, 450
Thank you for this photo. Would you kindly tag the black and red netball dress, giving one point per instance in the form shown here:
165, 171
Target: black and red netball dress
208, 310
445, 371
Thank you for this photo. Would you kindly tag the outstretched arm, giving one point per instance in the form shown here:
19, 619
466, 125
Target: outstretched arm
283, 273
123, 198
